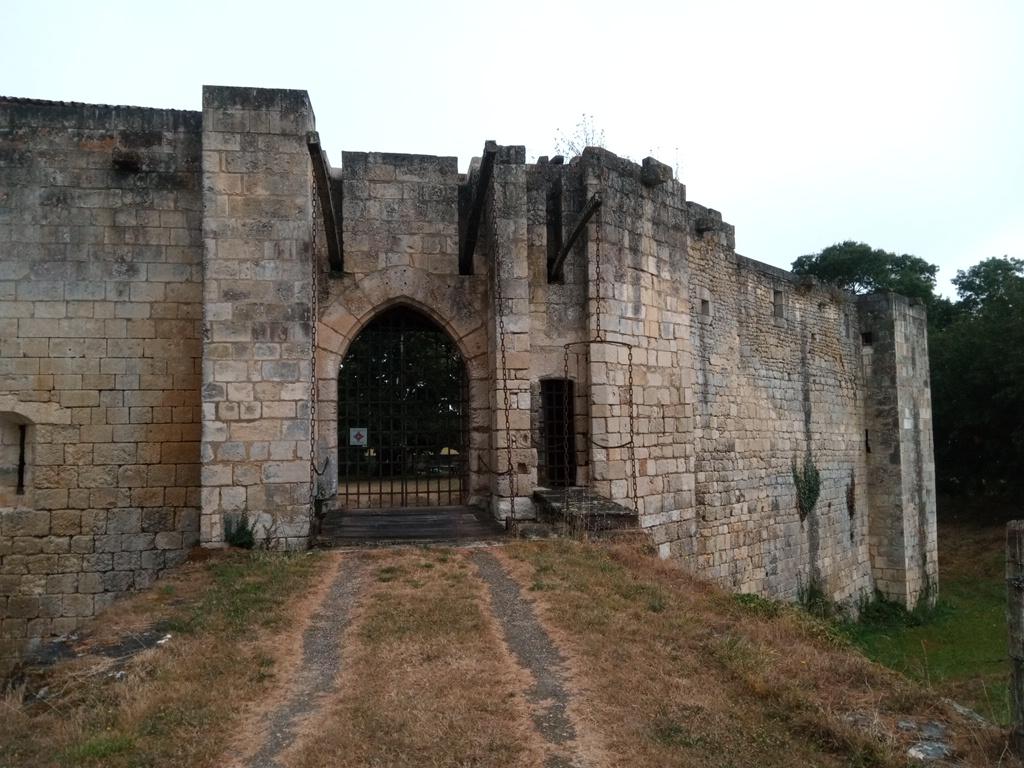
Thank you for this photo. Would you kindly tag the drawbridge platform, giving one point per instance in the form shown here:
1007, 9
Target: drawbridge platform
457, 525
559, 512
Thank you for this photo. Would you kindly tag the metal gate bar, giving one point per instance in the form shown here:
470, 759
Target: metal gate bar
558, 433
402, 416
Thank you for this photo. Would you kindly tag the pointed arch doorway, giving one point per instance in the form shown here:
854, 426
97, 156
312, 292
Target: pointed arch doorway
403, 416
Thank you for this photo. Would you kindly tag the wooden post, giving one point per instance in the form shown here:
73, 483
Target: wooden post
1015, 624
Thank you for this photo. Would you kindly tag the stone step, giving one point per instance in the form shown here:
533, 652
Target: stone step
582, 507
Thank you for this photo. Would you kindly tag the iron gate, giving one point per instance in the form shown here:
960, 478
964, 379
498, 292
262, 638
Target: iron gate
402, 416
557, 465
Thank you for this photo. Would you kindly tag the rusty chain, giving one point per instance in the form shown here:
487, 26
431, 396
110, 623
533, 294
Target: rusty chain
509, 438
569, 452
632, 433
598, 308
314, 305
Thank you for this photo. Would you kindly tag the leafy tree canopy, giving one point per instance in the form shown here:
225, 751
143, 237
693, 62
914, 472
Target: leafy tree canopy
859, 268
989, 282
977, 366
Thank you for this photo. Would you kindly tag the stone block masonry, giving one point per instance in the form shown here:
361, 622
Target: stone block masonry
158, 371
257, 297
898, 438
506, 246
100, 311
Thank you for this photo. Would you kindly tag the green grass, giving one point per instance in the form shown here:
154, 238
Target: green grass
245, 592
99, 747
959, 647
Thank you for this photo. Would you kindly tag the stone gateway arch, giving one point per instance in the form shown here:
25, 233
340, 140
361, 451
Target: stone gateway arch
199, 307
403, 416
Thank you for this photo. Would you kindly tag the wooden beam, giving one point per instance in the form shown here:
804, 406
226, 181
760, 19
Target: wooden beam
554, 226
588, 211
473, 198
323, 187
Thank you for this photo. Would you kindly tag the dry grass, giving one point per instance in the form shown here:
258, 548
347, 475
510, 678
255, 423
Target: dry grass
664, 670
177, 703
675, 672
425, 679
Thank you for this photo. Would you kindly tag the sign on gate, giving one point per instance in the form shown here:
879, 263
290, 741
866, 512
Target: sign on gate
357, 436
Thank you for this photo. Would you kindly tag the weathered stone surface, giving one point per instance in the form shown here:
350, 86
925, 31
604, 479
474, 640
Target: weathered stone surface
901, 469
101, 282
258, 288
23, 522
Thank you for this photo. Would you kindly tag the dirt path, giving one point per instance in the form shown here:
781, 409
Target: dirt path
446, 664
537, 653
318, 670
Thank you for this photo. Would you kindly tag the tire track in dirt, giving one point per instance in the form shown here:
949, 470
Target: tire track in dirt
535, 651
316, 674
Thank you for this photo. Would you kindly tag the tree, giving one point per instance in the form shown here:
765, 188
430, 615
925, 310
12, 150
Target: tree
584, 135
859, 268
977, 379
989, 282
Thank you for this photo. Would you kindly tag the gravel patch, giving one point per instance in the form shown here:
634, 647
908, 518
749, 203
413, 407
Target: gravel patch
535, 651
321, 663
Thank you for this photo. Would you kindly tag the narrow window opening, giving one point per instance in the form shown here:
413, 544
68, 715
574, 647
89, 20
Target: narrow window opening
554, 231
558, 463
20, 488
465, 200
705, 307
15, 459
779, 304
867, 339
867, 442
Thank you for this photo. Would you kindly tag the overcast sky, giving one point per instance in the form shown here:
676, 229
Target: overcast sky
900, 124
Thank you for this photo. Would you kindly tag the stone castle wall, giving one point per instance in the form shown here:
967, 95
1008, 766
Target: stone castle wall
157, 317
738, 370
557, 308
100, 311
400, 229
777, 381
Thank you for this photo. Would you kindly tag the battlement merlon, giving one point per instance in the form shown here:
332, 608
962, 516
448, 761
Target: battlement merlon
234, 98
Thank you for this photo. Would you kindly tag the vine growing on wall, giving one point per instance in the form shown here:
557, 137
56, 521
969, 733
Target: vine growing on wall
851, 503
808, 486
